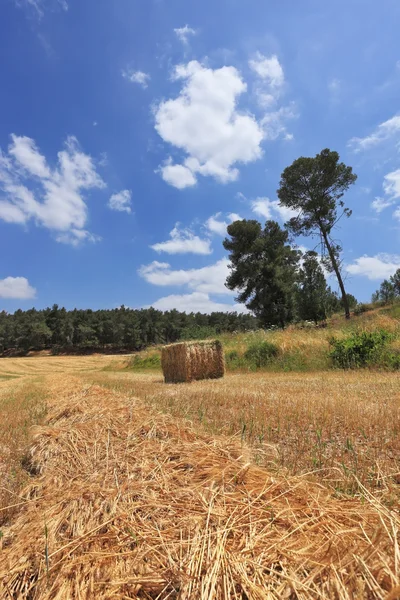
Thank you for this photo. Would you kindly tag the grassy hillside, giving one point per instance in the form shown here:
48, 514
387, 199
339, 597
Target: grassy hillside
307, 347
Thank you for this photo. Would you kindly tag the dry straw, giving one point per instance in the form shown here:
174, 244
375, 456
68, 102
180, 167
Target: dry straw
190, 361
125, 504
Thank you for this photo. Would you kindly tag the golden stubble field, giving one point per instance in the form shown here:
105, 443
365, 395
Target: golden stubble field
254, 486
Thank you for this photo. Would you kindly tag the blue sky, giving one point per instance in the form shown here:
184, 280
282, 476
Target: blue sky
133, 131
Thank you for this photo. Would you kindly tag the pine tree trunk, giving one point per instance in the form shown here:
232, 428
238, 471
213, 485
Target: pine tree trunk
338, 275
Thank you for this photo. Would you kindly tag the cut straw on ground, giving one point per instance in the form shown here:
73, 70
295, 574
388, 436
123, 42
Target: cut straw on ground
129, 504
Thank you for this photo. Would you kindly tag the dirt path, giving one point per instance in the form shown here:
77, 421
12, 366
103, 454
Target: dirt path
127, 503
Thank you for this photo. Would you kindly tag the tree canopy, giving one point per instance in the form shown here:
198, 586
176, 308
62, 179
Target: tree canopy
313, 188
263, 270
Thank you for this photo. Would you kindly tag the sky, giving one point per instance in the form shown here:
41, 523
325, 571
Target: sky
132, 132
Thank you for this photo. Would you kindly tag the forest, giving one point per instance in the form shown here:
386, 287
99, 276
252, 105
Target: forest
118, 330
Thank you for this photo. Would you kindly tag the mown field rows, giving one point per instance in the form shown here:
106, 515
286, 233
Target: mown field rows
124, 501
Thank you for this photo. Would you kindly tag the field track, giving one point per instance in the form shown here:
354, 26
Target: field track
127, 502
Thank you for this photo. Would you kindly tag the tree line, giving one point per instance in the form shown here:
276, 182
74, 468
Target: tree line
122, 329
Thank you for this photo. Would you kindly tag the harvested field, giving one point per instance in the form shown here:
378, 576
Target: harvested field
44, 365
127, 503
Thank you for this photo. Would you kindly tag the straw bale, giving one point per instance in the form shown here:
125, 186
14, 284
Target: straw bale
129, 504
191, 361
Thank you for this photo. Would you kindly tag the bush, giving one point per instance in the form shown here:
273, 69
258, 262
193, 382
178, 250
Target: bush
360, 349
146, 361
260, 354
360, 309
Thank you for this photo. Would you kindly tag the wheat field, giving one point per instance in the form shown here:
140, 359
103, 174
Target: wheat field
263, 485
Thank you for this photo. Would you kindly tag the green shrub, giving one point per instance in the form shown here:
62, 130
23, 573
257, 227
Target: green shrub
360, 309
145, 361
360, 349
260, 354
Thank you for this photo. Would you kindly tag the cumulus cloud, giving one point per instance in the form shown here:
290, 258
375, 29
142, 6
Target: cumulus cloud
121, 201
383, 132
203, 122
183, 34
196, 302
272, 209
178, 176
137, 77
215, 225
53, 198
16, 287
183, 241
208, 280
380, 266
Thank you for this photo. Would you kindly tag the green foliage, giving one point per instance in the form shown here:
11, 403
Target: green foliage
121, 329
259, 354
360, 349
145, 361
263, 270
360, 309
311, 295
314, 187
389, 290
198, 332
395, 281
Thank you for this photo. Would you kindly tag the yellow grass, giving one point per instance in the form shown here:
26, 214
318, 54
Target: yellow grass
337, 425
251, 499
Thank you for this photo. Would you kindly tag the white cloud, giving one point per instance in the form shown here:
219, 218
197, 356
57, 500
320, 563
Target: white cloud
391, 188
16, 287
396, 214
270, 84
121, 201
380, 266
271, 209
137, 77
383, 132
177, 175
183, 34
379, 204
273, 123
208, 280
268, 69
40, 6
204, 122
183, 241
217, 226
195, 302
53, 198
391, 184
75, 237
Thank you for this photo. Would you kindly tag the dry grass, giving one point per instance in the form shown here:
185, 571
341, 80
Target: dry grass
21, 406
131, 503
43, 365
340, 426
